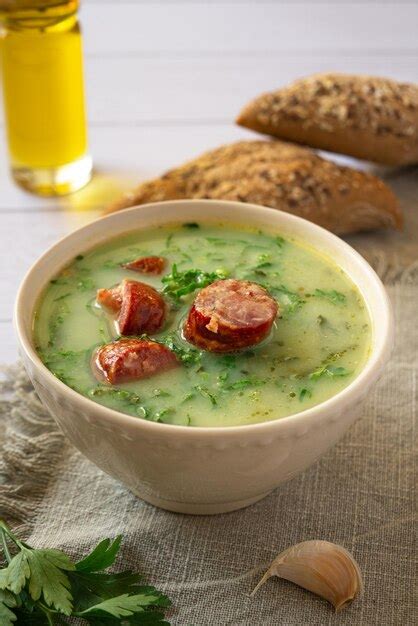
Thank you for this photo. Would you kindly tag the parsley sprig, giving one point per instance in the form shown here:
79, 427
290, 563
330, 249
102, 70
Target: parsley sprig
44, 587
178, 284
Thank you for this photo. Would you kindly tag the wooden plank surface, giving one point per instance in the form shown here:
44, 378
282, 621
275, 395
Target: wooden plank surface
201, 27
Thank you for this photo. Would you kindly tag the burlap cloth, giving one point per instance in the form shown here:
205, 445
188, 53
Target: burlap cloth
361, 494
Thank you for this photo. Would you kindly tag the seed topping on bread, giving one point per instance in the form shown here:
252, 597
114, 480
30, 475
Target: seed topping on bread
364, 116
360, 104
282, 176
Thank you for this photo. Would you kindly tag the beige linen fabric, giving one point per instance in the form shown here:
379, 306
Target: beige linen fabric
361, 494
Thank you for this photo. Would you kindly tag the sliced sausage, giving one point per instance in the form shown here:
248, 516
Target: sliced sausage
146, 265
110, 299
132, 359
229, 315
142, 310
140, 307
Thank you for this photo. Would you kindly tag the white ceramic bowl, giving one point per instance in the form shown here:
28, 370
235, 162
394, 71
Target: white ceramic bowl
202, 470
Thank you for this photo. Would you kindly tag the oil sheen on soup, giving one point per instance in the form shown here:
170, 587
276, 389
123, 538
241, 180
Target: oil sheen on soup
317, 344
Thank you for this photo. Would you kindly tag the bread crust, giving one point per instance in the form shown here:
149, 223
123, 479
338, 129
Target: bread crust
282, 176
366, 117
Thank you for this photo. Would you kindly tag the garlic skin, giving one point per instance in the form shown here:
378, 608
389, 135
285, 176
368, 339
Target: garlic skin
326, 569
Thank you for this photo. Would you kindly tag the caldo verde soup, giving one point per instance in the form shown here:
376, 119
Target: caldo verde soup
300, 330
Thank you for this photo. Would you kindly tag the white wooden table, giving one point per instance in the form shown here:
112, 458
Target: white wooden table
165, 80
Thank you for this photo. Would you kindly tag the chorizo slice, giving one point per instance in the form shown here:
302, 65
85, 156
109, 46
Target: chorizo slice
131, 359
110, 299
143, 309
229, 315
140, 308
147, 265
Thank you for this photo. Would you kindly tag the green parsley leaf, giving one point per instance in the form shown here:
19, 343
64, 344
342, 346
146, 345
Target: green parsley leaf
43, 569
7, 601
48, 578
102, 557
146, 618
122, 606
16, 573
41, 587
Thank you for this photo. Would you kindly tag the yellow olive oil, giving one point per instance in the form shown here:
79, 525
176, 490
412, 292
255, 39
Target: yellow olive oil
42, 71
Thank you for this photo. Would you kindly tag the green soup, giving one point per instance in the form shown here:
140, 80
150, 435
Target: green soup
319, 342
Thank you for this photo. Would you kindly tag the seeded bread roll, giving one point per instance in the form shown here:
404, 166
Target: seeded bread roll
370, 118
282, 176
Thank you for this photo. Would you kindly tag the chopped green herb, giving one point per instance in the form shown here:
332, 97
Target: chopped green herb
64, 295
290, 300
329, 370
79, 257
191, 225
304, 393
279, 241
109, 264
334, 356
188, 356
143, 412
64, 377
169, 240
159, 415
59, 281
186, 258
114, 392
85, 284
261, 266
66, 354
56, 322
187, 397
178, 284
229, 360
245, 382
332, 295
204, 391
161, 393
217, 241
264, 260
223, 377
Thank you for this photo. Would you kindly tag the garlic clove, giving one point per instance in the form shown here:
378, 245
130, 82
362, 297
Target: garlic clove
326, 569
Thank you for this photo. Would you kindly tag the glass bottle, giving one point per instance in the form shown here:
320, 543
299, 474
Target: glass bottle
43, 89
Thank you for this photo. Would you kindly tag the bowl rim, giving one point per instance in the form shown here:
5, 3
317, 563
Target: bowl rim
334, 404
